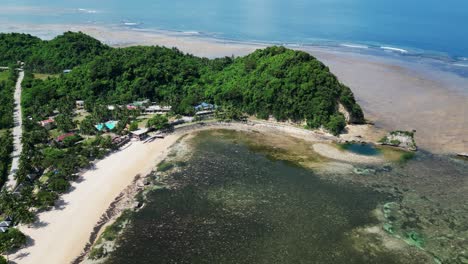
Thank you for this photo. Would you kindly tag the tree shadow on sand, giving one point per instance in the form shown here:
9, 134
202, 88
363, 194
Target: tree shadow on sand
29, 243
38, 224
60, 204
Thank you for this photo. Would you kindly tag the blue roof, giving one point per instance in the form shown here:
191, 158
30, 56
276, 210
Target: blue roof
109, 124
99, 127
204, 106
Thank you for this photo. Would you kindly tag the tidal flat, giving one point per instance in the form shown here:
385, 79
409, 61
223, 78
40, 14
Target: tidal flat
248, 197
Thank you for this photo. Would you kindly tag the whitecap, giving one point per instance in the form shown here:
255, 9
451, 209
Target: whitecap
394, 49
354, 46
191, 32
131, 23
88, 11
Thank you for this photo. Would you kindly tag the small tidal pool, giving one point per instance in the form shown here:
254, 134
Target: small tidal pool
361, 149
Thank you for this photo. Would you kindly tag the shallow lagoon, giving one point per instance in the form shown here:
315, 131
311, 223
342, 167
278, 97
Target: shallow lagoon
232, 202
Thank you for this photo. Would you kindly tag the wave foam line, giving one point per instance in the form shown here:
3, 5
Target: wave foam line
394, 49
354, 46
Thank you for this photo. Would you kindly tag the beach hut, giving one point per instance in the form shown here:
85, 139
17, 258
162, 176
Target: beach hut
67, 71
140, 134
3, 229
120, 141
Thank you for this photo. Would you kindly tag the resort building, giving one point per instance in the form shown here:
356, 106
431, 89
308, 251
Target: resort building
48, 123
67, 71
140, 134
157, 109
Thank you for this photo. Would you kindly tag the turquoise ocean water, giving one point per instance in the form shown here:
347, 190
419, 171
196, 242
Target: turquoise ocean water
429, 29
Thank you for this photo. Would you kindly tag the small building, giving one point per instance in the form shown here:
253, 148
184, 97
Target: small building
140, 134
67, 71
157, 109
131, 107
79, 104
111, 107
48, 123
3, 229
205, 106
5, 223
61, 138
120, 141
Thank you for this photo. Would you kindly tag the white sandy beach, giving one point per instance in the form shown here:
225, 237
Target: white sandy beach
61, 234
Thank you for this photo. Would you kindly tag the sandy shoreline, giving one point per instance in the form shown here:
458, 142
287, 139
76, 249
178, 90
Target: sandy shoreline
394, 94
60, 235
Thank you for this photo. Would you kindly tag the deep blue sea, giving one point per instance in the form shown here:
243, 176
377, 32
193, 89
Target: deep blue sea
433, 28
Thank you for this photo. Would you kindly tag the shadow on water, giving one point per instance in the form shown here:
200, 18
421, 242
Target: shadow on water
234, 205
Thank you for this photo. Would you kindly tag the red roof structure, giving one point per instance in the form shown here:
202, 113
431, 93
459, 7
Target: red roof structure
47, 121
64, 136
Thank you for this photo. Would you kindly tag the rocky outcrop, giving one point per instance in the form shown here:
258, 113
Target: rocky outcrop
349, 117
401, 139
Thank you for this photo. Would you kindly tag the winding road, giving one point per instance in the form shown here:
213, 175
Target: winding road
17, 133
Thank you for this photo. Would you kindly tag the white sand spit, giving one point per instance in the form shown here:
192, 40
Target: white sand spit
65, 231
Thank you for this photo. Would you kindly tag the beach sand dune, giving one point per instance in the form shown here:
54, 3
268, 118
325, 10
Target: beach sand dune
61, 234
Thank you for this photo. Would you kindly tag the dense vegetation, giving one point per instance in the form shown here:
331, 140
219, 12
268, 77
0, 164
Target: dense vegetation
7, 83
7, 87
54, 56
287, 84
12, 239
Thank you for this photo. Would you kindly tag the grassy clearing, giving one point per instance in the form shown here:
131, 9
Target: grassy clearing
4, 75
45, 76
79, 117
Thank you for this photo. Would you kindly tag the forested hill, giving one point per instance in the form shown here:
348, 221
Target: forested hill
290, 85
53, 56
